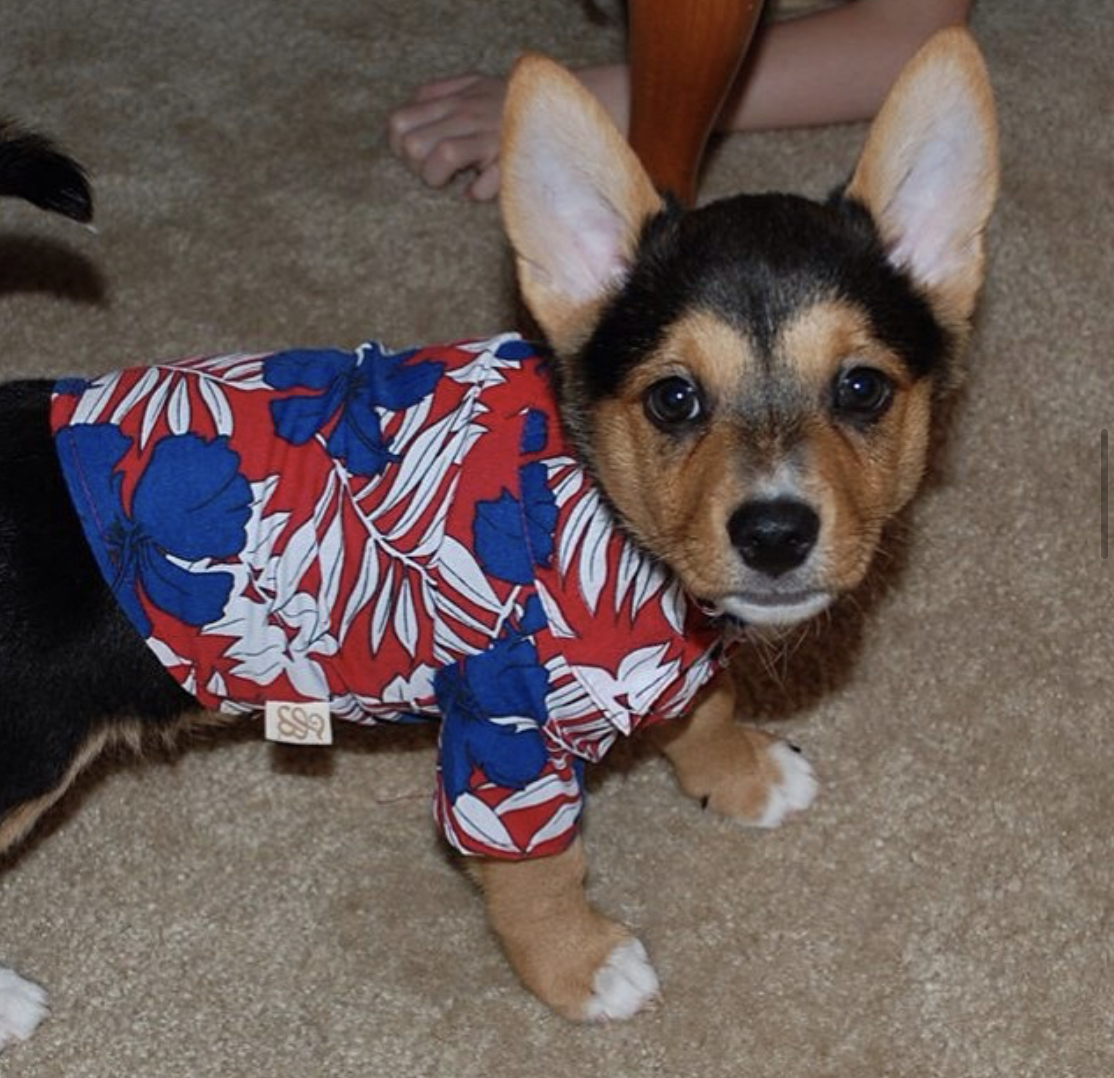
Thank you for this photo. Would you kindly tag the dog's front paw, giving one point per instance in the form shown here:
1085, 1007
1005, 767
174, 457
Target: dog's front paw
623, 985
22, 1007
794, 791
758, 780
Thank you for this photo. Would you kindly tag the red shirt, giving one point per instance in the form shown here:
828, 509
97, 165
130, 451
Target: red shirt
403, 535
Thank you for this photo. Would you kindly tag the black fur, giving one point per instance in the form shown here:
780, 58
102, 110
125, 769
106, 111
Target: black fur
70, 659
33, 168
754, 260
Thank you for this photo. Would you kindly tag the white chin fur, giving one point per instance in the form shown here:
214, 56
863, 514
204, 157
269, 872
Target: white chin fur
784, 614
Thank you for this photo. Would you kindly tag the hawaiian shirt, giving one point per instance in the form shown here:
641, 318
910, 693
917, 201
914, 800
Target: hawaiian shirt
401, 535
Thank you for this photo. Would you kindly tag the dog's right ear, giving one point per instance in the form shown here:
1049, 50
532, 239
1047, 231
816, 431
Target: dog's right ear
33, 168
929, 171
574, 198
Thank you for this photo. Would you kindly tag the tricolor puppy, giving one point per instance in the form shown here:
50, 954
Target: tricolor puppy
540, 550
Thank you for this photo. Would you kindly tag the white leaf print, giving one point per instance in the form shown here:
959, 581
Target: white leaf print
673, 607
167, 655
462, 572
447, 645
308, 679
448, 608
435, 532
480, 823
558, 824
413, 690
695, 678
178, 411
301, 551
558, 626
140, 389
629, 558
429, 485
382, 613
649, 578
95, 397
216, 685
570, 483
154, 410
579, 519
330, 561
362, 590
593, 560
547, 788
217, 403
248, 374
406, 622
293, 563
419, 458
645, 676
412, 423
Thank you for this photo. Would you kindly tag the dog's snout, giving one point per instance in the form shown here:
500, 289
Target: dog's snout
774, 536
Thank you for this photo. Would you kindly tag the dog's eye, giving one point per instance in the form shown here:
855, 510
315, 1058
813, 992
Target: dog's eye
673, 402
862, 393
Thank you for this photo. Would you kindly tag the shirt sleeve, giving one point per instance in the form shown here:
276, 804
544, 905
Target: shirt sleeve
505, 787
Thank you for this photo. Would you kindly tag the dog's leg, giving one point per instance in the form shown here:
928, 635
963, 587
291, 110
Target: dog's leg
735, 770
22, 1007
580, 963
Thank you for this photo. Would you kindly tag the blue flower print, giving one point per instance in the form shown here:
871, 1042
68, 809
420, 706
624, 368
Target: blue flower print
505, 682
516, 349
348, 387
511, 535
190, 502
535, 431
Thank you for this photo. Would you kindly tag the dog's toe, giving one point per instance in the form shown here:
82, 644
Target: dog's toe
623, 985
796, 790
22, 1007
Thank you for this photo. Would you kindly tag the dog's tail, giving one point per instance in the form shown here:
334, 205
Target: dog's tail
33, 168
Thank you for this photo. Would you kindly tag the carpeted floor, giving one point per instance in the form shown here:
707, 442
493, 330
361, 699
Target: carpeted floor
945, 909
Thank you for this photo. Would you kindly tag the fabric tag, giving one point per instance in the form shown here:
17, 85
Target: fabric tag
298, 724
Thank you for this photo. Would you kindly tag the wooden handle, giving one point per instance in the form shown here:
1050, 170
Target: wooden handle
684, 56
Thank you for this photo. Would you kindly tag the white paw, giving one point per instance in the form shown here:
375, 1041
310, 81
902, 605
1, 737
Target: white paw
796, 791
22, 1007
623, 985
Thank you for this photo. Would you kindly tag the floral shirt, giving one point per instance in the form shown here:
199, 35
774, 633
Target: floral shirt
401, 535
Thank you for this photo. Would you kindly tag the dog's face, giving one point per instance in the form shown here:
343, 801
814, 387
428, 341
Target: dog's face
752, 382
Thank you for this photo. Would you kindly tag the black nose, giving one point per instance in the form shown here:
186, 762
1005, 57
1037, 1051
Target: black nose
774, 536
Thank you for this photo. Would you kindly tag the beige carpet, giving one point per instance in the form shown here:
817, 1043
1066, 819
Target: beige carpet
947, 907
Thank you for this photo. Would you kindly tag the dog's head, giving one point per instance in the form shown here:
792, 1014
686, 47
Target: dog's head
752, 382
33, 168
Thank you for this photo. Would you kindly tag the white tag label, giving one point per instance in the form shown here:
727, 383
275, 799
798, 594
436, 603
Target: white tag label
298, 724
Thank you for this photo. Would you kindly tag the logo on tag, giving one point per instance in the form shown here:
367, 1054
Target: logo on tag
298, 724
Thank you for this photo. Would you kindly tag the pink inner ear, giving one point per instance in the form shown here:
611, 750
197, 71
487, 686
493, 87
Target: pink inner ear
597, 261
579, 238
937, 203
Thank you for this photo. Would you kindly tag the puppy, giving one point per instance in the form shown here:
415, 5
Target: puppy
33, 168
540, 549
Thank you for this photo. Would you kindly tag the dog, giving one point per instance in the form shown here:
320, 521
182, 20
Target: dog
543, 548
35, 169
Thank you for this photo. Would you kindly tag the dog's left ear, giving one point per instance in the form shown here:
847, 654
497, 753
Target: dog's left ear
929, 172
574, 198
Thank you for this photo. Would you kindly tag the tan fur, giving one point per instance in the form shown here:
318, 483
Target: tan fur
857, 481
554, 939
949, 69
17, 824
717, 760
130, 734
826, 335
677, 492
679, 507
542, 97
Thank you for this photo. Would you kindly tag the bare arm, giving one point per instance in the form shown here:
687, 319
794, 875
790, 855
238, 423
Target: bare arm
834, 65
